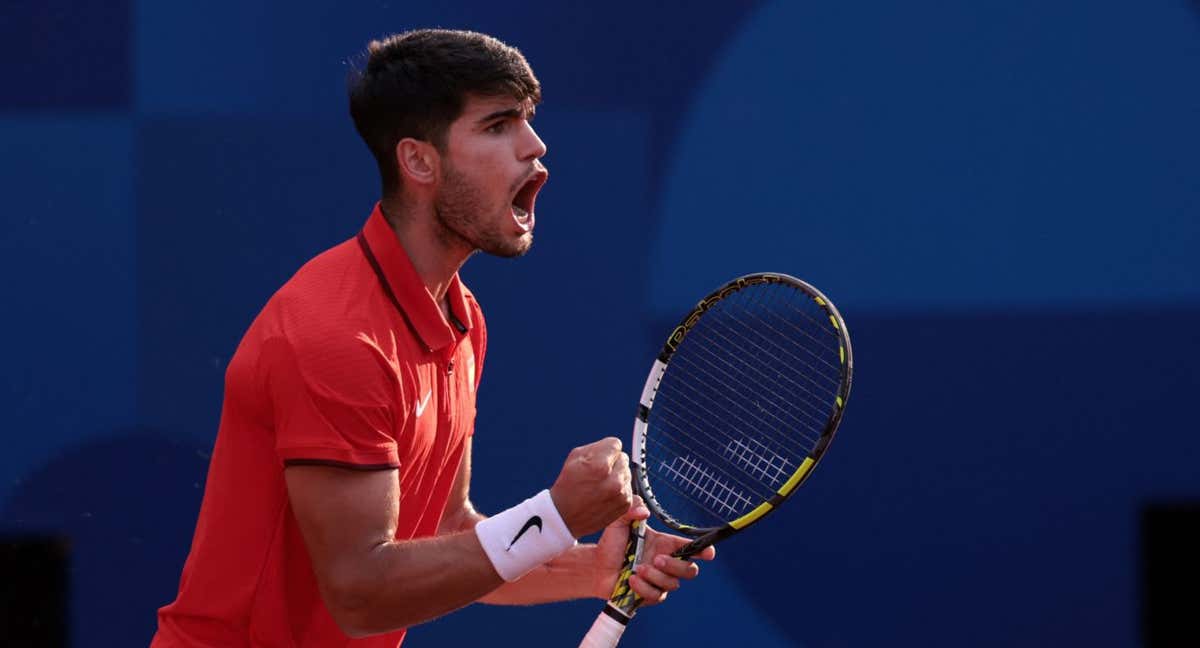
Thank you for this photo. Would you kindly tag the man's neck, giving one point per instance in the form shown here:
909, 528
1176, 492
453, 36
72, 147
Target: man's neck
435, 259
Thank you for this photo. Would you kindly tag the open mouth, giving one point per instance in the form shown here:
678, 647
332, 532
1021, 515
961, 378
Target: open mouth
523, 201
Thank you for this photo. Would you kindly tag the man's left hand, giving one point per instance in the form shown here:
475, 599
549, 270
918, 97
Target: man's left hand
659, 573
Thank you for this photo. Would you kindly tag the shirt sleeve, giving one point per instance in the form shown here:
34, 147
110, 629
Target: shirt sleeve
332, 403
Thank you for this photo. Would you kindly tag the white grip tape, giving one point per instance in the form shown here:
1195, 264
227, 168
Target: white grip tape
524, 536
605, 633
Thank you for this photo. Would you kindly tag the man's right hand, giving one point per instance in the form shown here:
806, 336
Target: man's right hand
594, 487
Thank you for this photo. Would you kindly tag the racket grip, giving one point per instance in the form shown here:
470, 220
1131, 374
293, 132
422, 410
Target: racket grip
624, 602
605, 632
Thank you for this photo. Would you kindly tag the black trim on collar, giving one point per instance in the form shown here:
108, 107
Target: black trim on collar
383, 282
462, 328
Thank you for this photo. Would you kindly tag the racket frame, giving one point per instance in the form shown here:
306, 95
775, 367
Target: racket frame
705, 536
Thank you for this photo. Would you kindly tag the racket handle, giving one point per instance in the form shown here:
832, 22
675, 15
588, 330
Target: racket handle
624, 602
606, 631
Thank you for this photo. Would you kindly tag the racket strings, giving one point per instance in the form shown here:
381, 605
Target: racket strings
720, 352
683, 424
707, 479
746, 312
772, 302
814, 421
711, 500
685, 418
675, 429
707, 419
729, 360
759, 305
736, 365
695, 503
716, 329
705, 486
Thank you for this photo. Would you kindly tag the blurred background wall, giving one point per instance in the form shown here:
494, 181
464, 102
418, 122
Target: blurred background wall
1002, 197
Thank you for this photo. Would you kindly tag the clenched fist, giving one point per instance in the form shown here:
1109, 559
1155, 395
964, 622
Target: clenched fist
593, 488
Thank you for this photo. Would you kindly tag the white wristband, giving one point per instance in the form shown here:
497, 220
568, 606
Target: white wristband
524, 536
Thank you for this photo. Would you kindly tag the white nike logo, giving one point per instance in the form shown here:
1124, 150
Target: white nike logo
421, 405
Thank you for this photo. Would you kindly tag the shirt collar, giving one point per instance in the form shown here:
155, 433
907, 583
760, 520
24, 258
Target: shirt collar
404, 286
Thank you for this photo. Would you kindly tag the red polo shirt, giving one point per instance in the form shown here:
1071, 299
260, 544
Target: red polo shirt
350, 364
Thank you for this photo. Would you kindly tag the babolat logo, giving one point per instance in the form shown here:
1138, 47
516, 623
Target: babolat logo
676, 338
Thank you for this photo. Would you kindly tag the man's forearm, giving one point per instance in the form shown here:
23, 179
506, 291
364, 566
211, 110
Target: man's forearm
410, 582
414, 581
569, 576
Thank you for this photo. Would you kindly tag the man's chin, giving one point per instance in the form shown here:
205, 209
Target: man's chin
510, 249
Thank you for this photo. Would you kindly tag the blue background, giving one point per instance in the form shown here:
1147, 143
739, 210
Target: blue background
1002, 197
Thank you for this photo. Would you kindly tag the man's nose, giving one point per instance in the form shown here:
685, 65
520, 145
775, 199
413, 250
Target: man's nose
532, 146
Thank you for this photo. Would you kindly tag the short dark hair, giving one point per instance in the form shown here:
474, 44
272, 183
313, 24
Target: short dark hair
415, 84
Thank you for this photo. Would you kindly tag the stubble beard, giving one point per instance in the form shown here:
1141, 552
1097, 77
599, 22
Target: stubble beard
459, 209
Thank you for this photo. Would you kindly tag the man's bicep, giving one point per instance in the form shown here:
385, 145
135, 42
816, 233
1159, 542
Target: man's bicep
331, 403
343, 515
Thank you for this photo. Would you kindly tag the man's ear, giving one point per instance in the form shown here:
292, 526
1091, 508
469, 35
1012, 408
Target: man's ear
418, 161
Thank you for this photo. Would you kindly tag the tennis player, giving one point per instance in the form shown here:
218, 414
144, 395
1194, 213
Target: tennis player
337, 509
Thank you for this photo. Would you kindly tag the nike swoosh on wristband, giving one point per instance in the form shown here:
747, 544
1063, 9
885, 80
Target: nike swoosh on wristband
535, 521
421, 405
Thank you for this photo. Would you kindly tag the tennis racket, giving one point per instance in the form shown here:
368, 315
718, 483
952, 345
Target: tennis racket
739, 407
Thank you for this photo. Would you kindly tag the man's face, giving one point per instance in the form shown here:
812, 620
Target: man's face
491, 175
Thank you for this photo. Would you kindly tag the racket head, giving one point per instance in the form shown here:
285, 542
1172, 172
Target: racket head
741, 404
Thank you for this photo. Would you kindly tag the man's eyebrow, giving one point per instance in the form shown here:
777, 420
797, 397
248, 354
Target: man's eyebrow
507, 113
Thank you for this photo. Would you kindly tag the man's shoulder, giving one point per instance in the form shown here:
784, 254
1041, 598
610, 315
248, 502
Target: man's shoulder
327, 269
328, 295
323, 282
333, 310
